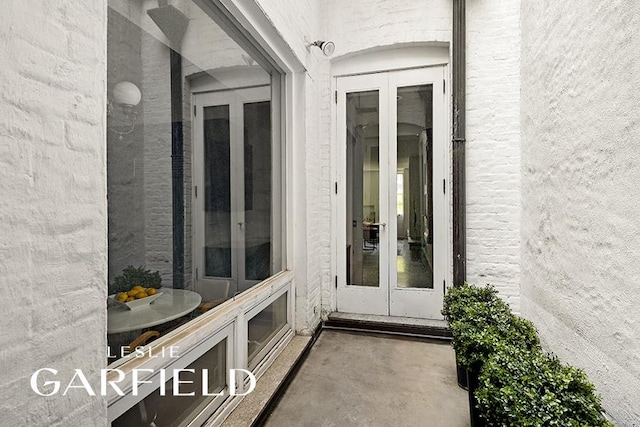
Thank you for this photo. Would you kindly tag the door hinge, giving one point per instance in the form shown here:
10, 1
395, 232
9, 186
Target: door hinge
336, 187
444, 186
444, 86
336, 282
335, 96
194, 110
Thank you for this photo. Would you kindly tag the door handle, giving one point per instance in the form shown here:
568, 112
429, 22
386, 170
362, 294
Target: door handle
240, 224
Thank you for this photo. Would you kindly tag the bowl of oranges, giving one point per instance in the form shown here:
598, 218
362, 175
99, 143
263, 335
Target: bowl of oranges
136, 297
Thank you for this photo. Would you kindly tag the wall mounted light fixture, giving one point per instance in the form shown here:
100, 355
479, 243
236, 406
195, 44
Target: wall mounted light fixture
126, 95
326, 47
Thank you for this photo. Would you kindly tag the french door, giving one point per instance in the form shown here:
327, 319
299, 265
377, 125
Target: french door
233, 215
392, 214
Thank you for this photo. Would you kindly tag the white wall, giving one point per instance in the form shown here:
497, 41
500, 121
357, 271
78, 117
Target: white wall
296, 20
581, 190
53, 215
493, 146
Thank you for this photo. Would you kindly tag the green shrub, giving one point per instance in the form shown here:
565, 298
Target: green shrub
458, 298
132, 276
484, 327
523, 387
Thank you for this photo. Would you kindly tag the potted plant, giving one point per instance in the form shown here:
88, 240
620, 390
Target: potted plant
486, 327
526, 387
456, 300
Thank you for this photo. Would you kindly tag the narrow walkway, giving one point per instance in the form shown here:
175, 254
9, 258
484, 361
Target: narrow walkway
356, 379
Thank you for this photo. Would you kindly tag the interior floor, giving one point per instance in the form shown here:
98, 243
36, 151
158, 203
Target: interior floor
413, 270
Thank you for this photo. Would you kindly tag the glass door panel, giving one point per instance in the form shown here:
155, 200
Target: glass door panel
391, 130
363, 189
257, 190
217, 192
362, 208
418, 267
414, 201
234, 232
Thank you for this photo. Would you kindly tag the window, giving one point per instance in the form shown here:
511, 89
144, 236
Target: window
194, 165
196, 219
176, 407
265, 328
163, 396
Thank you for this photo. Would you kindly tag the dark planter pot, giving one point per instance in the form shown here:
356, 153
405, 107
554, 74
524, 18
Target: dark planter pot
474, 413
462, 376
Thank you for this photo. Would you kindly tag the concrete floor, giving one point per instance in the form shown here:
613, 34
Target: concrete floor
356, 379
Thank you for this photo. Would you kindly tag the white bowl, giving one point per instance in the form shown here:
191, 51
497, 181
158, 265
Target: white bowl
138, 303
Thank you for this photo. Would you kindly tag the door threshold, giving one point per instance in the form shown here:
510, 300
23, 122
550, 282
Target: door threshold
408, 326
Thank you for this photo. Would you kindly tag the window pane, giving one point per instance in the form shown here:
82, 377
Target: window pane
194, 187
264, 326
363, 189
414, 199
217, 191
257, 190
170, 410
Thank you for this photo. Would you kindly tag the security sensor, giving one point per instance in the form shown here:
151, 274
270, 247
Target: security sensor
326, 47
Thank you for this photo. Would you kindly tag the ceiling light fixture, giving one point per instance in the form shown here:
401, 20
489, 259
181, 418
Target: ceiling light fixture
126, 95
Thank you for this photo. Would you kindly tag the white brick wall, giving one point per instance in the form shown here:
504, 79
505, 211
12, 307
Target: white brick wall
295, 20
364, 24
580, 190
493, 146
53, 210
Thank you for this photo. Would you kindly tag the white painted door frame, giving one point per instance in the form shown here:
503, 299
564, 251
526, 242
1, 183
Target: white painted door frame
388, 298
361, 299
235, 100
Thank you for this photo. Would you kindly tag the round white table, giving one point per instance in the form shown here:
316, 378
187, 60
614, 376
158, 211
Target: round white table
172, 304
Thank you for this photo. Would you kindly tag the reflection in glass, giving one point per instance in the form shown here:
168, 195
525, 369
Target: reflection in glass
194, 191
170, 410
264, 326
217, 197
257, 190
414, 195
363, 192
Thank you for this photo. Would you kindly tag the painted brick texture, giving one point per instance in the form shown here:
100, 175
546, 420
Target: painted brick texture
580, 190
364, 24
493, 146
53, 218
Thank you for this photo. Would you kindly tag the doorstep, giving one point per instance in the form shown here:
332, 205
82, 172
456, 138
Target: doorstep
251, 406
425, 328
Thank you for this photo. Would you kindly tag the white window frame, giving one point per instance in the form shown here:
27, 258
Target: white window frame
123, 404
262, 354
252, 22
230, 320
